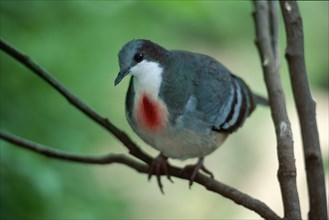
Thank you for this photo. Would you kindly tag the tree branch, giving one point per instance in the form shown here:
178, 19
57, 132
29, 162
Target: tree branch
211, 184
306, 110
75, 101
57, 154
265, 24
274, 30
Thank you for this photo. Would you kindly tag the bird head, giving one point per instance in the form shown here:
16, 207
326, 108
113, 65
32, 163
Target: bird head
138, 57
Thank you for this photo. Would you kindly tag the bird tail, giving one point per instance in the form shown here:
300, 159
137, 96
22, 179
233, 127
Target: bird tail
260, 100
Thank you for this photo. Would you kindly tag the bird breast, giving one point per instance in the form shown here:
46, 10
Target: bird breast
150, 113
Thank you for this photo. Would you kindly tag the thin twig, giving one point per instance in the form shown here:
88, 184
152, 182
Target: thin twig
212, 185
57, 154
306, 110
264, 23
274, 30
75, 101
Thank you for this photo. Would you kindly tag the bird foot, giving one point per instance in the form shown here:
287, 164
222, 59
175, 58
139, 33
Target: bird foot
159, 166
194, 169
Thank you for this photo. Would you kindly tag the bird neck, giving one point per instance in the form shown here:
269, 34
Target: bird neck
147, 77
150, 111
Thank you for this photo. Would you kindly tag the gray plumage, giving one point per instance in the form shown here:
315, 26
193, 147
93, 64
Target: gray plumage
204, 100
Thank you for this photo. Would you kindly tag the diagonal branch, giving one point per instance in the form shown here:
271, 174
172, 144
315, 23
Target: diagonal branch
57, 154
306, 110
211, 184
75, 101
266, 24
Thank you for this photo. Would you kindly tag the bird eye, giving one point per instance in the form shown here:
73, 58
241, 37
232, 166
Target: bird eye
138, 57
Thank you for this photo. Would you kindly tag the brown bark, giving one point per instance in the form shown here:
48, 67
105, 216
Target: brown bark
306, 110
266, 40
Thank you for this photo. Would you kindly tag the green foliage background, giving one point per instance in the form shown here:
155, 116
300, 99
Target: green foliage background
78, 42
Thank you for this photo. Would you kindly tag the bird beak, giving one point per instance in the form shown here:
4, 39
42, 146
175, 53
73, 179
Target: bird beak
121, 75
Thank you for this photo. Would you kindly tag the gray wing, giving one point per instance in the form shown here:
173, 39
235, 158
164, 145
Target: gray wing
198, 87
223, 99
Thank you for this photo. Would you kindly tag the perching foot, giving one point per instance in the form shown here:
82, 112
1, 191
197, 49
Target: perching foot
159, 166
194, 169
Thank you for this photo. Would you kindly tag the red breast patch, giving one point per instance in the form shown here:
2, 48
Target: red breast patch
150, 114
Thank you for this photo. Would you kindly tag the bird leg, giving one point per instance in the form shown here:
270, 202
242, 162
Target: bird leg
195, 169
159, 166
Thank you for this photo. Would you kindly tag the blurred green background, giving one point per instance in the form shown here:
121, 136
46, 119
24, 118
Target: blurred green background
78, 42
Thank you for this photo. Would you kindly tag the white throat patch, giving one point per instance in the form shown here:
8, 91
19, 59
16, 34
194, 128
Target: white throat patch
147, 77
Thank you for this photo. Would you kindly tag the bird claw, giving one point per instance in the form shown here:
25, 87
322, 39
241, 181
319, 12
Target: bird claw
195, 169
159, 166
